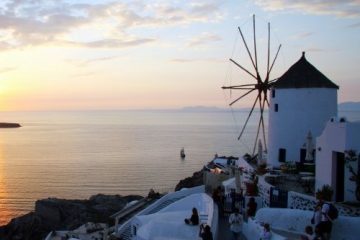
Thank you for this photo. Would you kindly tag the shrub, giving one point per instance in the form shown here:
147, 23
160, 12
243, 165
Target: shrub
325, 193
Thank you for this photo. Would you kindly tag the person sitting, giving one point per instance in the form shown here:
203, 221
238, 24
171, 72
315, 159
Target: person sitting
194, 219
205, 232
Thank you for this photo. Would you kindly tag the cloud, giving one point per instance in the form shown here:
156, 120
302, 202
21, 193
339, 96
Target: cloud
86, 62
314, 49
117, 43
355, 25
83, 75
204, 38
339, 8
38, 22
188, 60
7, 69
303, 35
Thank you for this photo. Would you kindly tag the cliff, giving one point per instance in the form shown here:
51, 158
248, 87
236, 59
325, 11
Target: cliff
60, 214
196, 179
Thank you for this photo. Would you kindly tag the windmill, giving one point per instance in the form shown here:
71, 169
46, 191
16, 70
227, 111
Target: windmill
261, 85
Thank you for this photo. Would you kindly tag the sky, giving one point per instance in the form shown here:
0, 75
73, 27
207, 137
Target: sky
137, 54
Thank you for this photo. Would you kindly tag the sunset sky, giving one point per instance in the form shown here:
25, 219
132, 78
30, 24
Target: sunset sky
137, 54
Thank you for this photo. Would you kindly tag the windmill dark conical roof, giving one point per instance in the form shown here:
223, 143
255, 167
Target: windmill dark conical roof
304, 75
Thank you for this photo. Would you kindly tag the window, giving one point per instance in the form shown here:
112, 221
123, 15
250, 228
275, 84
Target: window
276, 107
282, 154
273, 93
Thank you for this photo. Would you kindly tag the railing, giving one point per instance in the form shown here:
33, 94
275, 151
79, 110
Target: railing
264, 191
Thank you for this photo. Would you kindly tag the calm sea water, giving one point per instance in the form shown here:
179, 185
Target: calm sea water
78, 154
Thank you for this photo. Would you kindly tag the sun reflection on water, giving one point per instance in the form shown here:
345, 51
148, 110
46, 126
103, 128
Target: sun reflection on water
5, 213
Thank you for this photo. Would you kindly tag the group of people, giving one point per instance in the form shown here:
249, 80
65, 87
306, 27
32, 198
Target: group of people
322, 222
231, 201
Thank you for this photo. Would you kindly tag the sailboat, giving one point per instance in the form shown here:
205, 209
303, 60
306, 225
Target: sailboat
182, 153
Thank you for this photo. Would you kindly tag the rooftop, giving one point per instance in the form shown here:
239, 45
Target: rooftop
303, 75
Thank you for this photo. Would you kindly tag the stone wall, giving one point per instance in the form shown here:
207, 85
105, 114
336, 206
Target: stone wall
264, 191
306, 202
345, 210
301, 201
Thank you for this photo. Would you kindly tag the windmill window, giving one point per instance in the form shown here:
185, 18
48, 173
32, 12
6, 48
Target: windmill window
276, 107
273, 93
282, 155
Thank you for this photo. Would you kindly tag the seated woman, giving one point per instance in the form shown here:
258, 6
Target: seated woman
194, 219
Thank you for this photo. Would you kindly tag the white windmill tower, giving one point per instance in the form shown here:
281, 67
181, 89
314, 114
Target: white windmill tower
302, 100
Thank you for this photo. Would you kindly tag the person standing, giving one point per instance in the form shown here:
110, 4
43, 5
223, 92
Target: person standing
232, 196
316, 219
325, 225
251, 207
236, 221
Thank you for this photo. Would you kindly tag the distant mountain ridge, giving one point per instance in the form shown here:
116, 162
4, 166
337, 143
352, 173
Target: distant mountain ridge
345, 106
203, 109
349, 106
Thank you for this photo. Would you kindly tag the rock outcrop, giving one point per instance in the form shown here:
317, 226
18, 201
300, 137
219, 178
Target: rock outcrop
9, 125
196, 179
60, 214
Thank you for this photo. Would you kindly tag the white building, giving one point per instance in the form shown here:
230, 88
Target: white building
337, 137
301, 101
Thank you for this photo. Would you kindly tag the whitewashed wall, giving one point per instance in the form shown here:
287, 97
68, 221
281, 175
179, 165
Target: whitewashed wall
336, 137
299, 111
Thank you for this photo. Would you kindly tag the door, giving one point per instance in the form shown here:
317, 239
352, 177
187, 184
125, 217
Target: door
340, 181
278, 198
302, 155
282, 155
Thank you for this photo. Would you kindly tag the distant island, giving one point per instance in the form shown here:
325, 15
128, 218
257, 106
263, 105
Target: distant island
9, 125
349, 106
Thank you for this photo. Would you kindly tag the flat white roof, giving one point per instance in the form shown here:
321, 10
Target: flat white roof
169, 223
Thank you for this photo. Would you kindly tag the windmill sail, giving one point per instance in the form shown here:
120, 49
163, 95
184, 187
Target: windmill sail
260, 87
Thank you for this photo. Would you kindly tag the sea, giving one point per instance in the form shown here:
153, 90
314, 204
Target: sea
77, 154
